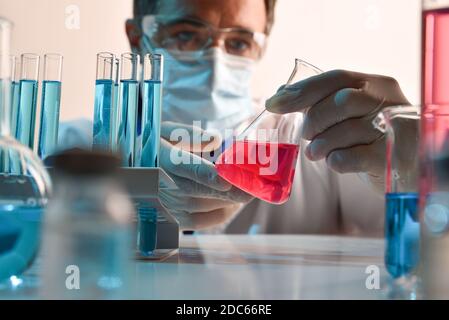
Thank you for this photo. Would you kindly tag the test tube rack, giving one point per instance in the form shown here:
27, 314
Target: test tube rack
143, 185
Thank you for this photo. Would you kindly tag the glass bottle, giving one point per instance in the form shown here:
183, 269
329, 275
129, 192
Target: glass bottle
88, 235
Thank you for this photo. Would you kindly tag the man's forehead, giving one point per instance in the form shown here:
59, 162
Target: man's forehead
220, 13
175, 7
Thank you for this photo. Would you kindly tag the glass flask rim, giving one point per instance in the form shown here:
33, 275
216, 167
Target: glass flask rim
406, 111
299, 62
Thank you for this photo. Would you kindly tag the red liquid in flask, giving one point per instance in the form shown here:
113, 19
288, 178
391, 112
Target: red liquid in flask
264, 170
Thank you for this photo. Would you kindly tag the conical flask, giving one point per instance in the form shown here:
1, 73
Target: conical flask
24, 185
262, 159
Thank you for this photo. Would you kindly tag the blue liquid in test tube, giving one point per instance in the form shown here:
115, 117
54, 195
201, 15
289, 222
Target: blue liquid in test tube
14, 97
147, 230
115, 122
149, 146
104, 99
401, 233
129, 95
151, 121
48, 134
151, 110
27, 112
51, 102
102, 116
28, 87
129, 99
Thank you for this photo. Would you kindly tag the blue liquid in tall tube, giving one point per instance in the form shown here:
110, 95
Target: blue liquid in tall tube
147, 230
401, 233
104, 94
27, 112
48, 133
151, 121
115, 122
129, 94
15, 97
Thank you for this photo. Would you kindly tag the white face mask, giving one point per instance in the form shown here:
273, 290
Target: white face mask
211, 86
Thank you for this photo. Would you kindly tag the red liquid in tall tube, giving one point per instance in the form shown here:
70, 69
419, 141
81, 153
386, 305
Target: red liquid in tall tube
435, 75
435, 82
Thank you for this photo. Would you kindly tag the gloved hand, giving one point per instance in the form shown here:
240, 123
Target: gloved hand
204, 199
339, 109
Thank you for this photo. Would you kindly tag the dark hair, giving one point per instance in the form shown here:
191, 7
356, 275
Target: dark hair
143, 7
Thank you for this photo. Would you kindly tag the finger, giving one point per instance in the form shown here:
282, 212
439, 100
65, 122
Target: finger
204, 220
363, 158
190, 138
193, 189
190, 166
191, 204
345, 104
306, 93
347, 134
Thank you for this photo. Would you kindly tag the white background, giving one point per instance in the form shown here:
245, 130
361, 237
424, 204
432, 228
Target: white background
374, 36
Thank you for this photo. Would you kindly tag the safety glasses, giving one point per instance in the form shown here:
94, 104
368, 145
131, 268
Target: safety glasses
186, 34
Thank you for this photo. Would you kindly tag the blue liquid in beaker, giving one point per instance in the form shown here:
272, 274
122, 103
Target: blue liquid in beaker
20, 220
48, 133
104, 94
401, 233
27, 112
151, 122
129, 94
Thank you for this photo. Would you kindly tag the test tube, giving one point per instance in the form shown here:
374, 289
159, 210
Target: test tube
115, 109
28, 87
15, 97
51, 101
151, 110
129, 98
104, 96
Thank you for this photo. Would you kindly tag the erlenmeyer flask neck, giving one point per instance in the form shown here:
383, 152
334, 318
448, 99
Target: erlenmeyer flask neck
302, 70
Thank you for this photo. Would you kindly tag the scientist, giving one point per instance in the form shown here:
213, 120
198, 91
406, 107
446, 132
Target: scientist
213, 47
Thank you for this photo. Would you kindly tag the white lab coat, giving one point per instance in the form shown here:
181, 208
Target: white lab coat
322, 201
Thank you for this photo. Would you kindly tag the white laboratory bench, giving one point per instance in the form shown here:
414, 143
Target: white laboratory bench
257, 267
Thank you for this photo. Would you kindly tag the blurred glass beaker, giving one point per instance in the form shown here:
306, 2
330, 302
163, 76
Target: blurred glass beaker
88, 225
24, 185
262, 160
401, 126
434, 199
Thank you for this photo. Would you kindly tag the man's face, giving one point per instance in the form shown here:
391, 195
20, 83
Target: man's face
242, 14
